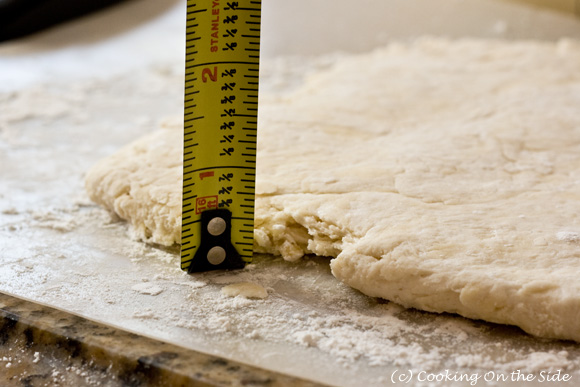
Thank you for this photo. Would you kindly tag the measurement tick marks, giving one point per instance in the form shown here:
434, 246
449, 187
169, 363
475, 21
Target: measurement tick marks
221, 93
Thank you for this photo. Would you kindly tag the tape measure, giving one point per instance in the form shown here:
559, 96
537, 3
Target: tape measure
220, 132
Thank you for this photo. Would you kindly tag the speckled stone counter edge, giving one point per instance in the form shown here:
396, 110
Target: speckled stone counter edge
129, 358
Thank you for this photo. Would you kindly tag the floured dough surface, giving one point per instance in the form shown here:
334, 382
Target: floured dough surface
140, 183
442, 175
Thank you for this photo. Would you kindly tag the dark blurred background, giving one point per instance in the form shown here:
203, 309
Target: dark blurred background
19, 18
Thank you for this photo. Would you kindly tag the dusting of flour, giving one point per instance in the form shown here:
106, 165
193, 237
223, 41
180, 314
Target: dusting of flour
245, 290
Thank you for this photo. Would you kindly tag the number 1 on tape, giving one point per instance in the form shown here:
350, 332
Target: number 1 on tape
220, 131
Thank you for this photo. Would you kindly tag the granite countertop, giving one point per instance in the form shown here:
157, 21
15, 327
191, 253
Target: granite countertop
41, 345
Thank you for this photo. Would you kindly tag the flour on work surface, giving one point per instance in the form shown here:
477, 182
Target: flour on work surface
442, 175
147, 288
245, 289
307, 308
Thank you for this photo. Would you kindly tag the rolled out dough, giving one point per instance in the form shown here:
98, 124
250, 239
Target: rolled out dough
442, 175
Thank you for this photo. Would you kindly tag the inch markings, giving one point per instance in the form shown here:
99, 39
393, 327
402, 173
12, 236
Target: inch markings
220, 120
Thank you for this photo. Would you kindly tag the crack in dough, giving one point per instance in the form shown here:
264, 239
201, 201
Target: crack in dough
441, 175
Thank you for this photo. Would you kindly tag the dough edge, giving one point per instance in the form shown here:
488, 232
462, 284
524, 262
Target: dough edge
284, 229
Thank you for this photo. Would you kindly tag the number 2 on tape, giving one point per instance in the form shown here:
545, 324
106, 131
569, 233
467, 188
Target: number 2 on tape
220, 132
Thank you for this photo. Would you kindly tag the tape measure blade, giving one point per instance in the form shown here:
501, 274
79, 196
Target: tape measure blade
220, 120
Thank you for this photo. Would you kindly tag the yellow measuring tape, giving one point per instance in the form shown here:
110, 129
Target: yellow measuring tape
220, 130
